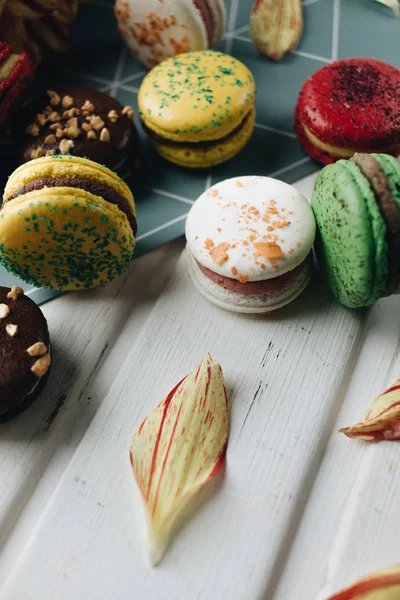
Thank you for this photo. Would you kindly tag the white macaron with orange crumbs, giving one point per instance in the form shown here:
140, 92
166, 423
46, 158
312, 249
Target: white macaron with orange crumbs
249, 244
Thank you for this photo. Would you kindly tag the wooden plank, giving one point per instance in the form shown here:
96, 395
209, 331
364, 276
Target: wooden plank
36, 447
286, 375
350, 525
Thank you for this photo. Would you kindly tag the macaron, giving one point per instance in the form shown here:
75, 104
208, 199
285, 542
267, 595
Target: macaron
155, 30
349, 106
66, 223
16, 74
249, 243
198, 108
356, 204
82, 122
24, 350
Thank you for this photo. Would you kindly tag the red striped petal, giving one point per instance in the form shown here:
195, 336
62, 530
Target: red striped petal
179, 446
382, 419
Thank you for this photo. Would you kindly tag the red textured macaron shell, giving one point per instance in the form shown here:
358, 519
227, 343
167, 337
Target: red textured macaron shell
353, 104
14, 83
250, 229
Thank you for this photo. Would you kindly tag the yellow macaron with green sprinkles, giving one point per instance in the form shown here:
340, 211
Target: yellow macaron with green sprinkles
198, 108
66, 223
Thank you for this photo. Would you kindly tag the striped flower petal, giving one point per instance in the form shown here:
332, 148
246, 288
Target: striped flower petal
382, 419
178, 448
393, 4
382, 585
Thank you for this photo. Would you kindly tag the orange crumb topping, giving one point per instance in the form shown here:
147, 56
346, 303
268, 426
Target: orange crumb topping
219, 229
234, 271
208, 244
239, 184
219, 254
213, 193
243, 278
269, 250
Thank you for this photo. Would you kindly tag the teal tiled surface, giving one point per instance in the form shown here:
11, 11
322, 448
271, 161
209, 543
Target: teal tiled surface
164, 193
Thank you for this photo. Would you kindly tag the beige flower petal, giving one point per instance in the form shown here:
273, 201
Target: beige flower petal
382, 419
178, 448
276, 26
382, 585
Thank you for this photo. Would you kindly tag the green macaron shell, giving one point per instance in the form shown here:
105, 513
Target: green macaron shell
350, 244
391, 167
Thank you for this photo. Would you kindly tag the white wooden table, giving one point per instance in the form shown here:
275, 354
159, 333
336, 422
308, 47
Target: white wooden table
300, 511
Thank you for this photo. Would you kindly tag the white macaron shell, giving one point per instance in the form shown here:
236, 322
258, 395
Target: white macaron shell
250, 228
166, 28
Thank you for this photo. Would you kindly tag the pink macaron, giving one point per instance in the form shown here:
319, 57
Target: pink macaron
155, 30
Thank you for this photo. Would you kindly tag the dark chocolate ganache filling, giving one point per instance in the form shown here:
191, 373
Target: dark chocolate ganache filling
203, 144
372, 170
94, 187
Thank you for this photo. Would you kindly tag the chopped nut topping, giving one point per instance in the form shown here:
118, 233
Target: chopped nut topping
54, 97
91, 135
72, 132
47, 110
38, 349
38, 152
104, 135
41, 119
15, 292
87, 105
11, 329
59, 133
67, 102
73, 122
50, 139
53, 117
72, 112
65, 146
86, 126
4, 311
32, 129
96, 122
128, 111
55, 126
113, 116
41, 366
51, 152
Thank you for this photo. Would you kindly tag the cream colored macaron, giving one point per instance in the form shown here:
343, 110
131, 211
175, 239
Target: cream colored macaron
249, 242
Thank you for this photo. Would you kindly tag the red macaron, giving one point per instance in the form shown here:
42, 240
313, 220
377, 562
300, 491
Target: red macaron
16, 74
351, 105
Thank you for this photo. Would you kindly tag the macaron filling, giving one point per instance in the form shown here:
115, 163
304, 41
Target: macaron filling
207, 18
374, 173
202, 144
98, 189
255, 288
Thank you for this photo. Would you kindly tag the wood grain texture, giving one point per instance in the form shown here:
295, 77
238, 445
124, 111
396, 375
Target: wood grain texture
300, 510
36, 447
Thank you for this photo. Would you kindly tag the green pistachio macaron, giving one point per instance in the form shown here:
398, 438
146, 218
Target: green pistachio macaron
356, 204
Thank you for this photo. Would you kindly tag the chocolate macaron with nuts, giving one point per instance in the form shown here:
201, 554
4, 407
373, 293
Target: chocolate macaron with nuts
24, 352
82, 122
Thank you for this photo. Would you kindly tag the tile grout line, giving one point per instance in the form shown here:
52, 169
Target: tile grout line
208, 180
231, 25
168, 194
296, 52
335, 29
275, 130
118, 71
161, 227
131, 77
89, 76
289, 167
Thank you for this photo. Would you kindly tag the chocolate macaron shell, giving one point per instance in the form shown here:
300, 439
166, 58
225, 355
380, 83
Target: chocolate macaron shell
110, 139
21, 327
